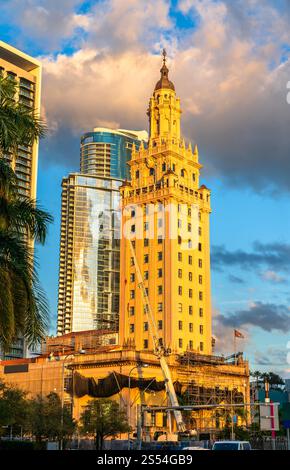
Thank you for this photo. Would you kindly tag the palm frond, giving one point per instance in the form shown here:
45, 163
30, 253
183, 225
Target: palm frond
14, 252
20, 213
7, 325
30, 125
25, 217
32, 318
8, 132
8, 180
19, 124
37, 316
8, 88
20, 302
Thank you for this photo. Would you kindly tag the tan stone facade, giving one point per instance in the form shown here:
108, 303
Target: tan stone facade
165, 213
77, 341
203, 379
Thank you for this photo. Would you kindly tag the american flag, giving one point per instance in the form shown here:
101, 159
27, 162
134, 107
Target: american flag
238, 334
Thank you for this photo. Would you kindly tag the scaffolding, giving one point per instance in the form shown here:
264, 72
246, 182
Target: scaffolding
207, 380
90, 341
205, 395
192, 358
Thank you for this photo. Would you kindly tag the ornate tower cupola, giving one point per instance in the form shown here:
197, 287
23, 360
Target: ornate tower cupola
164, 108
164, 81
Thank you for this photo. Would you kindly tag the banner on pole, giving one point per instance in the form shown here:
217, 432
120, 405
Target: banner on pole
269, 417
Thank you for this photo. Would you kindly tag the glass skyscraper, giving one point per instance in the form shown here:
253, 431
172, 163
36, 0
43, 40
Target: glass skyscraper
90, 257
105, 152
89, 268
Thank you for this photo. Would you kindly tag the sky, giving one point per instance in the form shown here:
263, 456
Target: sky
229, 61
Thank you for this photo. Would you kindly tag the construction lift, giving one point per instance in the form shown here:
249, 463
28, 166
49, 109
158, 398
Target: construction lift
159, 350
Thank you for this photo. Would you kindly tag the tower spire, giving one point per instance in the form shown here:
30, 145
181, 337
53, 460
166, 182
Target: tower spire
164, 53
164, 81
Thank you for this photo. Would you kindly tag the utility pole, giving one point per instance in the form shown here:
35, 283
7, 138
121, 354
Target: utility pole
139, 426
129, 405
267, 400
232, 418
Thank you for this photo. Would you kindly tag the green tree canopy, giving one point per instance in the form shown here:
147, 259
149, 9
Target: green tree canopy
275, 381
13, 407
45, 419
103, 418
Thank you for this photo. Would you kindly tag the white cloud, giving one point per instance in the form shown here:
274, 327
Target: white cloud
272, 356
272, 276
272, 359
91, 87
224, 335
119, 24
47, 21
226, 71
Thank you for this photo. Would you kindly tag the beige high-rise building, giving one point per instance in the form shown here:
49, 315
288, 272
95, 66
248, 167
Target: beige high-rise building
27, 72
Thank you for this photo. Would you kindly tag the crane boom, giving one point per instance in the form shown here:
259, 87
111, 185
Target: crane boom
159, 349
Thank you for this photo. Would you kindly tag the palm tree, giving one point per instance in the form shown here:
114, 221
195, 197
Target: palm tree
275, 381
23, 305
19, 125
257, 375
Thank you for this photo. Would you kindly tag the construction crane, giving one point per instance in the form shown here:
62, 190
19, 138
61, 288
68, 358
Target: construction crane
159, 349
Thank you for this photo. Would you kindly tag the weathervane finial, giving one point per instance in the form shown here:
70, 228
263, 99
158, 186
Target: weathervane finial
164, 53
164, 81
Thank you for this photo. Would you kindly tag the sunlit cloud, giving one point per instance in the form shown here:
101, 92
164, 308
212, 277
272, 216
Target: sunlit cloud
105, 61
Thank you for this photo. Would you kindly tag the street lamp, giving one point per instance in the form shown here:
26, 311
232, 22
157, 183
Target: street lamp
81, 351
232, 418
129, 398
267, 399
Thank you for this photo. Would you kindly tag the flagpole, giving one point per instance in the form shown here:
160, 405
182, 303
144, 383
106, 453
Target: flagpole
235, 348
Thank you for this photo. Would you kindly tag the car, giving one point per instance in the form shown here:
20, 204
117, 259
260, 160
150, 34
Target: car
194, 448
232, 445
